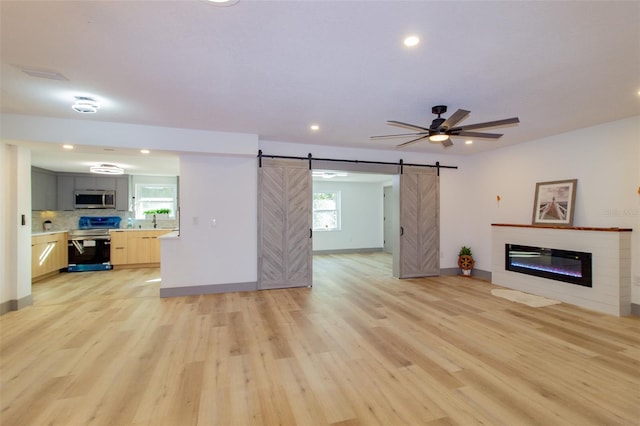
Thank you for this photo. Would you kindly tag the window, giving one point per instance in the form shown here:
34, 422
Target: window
326, 211
154, 196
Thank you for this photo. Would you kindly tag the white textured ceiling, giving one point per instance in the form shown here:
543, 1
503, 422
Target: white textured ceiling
272, 68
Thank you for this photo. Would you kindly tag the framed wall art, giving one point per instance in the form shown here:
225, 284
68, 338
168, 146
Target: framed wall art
554, 202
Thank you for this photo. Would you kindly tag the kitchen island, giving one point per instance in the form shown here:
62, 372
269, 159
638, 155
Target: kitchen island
136, 248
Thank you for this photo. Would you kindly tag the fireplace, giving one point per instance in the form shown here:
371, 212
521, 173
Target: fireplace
561, 265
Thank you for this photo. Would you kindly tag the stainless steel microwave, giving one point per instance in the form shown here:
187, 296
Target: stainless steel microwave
95, 199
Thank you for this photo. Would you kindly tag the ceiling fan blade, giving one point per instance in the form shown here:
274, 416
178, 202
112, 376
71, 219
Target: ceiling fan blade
478, 135
455, 118
406, 125
496, 123
447, 143
411, 141
403, 135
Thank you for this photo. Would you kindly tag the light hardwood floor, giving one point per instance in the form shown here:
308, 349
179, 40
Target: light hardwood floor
360, 348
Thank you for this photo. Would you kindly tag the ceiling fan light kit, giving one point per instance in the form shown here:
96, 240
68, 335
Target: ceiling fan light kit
441, 130
439, 137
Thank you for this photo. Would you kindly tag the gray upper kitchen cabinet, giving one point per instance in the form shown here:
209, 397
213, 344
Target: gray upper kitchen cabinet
44, 190
122, 193
66, 188
95, 182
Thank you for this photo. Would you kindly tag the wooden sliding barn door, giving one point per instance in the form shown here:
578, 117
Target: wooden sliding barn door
284, 224
419, 253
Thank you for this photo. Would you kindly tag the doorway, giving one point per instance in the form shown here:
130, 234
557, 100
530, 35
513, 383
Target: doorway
285, 249
349, 219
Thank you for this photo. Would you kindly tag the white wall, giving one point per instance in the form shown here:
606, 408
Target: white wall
15, 238
217, 188
100, 133
6, 242
605, 159
361, 217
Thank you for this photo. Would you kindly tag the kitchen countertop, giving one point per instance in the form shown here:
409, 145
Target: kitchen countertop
170, 236
37, 234
143, 229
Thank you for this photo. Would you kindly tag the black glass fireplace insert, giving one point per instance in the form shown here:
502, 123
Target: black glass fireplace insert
561, 265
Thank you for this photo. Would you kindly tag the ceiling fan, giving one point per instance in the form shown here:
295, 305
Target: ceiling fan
441, 130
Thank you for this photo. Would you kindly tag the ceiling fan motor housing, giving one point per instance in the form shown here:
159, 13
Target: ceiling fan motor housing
439, 109
436, 123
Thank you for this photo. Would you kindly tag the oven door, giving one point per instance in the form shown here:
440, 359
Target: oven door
89, 250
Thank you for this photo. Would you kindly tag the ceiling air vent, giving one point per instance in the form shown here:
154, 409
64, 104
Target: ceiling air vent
51, 75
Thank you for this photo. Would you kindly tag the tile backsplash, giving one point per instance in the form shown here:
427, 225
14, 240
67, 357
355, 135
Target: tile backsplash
65, 220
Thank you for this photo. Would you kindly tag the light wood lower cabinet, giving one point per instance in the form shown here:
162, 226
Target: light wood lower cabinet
136, 247
118, 247
49, 254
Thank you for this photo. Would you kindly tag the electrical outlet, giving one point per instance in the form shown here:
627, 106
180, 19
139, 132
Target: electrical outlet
636, 280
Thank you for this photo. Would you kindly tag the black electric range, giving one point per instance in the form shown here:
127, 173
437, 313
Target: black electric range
90, 245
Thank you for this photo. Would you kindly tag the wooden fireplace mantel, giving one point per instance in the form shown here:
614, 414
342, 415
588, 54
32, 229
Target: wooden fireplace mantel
572, 228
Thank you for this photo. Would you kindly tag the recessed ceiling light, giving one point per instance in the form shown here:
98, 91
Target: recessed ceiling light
67, 146
106, 169
314, 127
469, 142
411, 41
145, 151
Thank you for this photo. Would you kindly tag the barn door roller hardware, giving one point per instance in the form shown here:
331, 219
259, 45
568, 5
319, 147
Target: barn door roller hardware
310, 159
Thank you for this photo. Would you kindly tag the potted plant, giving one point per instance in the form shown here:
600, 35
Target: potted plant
159, 213
465, 260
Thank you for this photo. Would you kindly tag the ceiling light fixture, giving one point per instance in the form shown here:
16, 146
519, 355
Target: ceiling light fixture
314, 127
85, 105
145, 151
411, 41
469, 142
67, 146
223, 3
439, 137
328, 175
106, 169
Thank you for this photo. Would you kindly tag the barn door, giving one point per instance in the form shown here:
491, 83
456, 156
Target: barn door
419, 223
284, 224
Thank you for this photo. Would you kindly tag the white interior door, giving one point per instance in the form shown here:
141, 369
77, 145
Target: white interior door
419, 248
284, 224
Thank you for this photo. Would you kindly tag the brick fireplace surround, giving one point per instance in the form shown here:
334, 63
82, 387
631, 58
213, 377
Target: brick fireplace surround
611, 264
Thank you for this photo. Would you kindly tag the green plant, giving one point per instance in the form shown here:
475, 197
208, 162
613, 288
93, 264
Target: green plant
465, 251
157, 211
